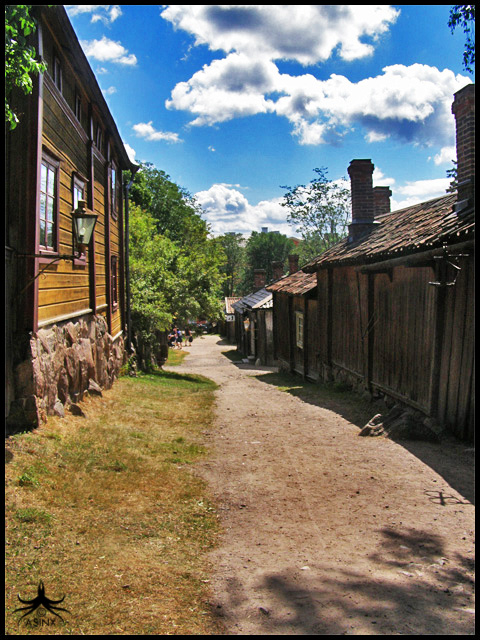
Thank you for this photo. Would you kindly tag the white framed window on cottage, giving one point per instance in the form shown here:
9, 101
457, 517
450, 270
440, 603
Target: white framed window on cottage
299, 329
114, 191
48, 210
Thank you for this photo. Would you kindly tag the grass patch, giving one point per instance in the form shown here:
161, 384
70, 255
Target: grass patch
176, 356
106, 511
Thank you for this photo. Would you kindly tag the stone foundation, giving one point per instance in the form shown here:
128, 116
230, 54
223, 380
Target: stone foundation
63, 361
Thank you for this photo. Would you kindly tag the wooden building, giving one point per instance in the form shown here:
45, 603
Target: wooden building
227, 324
65, 301
397, 295
254, 323
295, 321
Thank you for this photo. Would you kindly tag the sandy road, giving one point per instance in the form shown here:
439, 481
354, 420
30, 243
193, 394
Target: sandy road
325, 532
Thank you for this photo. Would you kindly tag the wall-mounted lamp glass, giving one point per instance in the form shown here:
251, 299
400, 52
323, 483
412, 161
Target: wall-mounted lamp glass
83, 225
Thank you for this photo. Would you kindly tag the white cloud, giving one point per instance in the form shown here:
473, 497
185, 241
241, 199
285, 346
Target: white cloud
105, 13
226, 209
131, 153
226, 89
305, 33
106, 50
445, 155
110, 91
409, 103
418, 191
147, 131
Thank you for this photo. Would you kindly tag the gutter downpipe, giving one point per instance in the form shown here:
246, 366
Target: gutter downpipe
127, 263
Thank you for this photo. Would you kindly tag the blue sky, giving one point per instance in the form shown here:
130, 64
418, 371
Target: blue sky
233, 101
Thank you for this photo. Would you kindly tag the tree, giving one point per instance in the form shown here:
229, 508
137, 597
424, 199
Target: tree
174, 210
261, 250
319, 211
233, 245
175, 266
20, 61
452, 174
464, 15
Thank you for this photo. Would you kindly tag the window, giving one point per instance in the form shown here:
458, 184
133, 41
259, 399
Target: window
114, 281
299, 329
98, 138
57, 73
48, 205
113, 190
78, 191
78, 107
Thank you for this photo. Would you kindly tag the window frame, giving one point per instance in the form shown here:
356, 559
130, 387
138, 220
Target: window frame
57, 73
299, 328
54, 165
80, 183
114, 195
114, 282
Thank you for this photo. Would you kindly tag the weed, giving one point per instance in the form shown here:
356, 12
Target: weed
30, 514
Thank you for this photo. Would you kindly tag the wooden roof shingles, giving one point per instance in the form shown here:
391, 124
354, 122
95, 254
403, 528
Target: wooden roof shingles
421, 227
298, 283
229, 302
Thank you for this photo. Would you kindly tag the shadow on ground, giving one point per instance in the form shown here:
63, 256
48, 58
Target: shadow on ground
436, 598
452, 459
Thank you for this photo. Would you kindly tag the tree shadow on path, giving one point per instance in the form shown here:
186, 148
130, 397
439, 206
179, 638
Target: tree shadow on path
450, 458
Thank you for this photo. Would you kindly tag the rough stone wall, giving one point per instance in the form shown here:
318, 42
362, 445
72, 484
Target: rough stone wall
65, 360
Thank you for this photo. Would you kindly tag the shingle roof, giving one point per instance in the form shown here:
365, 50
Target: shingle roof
261, 299
297, 283
228, 304
423, 226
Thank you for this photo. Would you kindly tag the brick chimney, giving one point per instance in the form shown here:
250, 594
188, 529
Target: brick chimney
361, 172
258, 279
381, 200
292, 263
277, 269
463, 108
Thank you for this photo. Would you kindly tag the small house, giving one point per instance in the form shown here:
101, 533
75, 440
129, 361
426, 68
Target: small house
295, 321
254, 323
65, 292
397, 295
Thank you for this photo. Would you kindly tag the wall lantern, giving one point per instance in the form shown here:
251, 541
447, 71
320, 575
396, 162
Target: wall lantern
83, 225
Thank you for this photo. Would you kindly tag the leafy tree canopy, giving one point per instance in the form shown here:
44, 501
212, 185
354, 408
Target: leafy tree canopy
175, 266
261, 250
319, 211
20, 61
464, 15
233, 245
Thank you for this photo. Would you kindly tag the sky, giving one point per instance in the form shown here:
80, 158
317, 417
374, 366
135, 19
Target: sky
237, 102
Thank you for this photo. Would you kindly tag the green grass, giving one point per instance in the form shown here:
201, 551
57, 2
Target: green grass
107, 511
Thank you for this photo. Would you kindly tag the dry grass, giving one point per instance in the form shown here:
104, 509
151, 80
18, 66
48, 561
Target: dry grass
106, 510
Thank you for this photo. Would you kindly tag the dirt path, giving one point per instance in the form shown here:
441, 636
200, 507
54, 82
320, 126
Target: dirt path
326, 532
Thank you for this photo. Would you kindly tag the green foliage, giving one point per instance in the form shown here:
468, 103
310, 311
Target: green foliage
20, 62
452, 174
175, 267
261, 250
464, 15
233, 245
320, 213
174, 210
